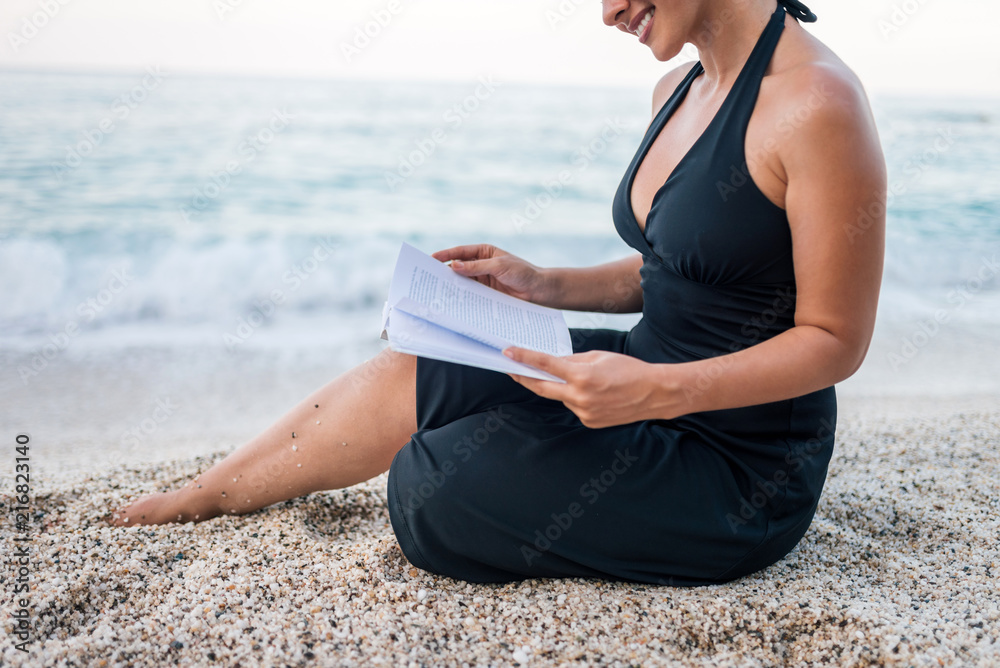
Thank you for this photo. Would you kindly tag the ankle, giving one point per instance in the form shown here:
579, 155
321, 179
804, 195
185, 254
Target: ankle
193, 504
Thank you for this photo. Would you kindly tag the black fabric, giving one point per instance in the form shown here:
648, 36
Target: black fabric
499, 484
798, 10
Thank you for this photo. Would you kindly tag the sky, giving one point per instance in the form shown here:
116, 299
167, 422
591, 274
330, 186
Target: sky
927, 47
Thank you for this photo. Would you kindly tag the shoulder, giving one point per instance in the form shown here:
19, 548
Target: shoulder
804, 68
668, 83
819, 92
816, 104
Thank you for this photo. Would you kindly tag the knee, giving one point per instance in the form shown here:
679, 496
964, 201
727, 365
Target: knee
432, 510
437, 505
423, 487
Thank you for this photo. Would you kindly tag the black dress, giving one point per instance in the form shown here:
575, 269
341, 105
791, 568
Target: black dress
500, 484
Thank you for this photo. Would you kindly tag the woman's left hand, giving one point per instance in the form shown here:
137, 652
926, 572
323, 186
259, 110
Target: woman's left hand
602, 388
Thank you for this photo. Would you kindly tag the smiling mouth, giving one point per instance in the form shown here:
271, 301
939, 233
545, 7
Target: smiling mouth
640, 29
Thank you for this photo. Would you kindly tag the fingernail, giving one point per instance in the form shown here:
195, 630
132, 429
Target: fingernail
456, 263
508, 352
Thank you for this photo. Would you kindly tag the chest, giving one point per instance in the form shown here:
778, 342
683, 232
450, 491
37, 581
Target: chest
705, 195
680, 137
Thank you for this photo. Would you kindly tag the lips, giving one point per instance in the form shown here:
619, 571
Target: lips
644, 27
640, 24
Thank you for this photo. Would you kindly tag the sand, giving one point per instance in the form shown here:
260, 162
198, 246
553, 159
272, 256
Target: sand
900, 567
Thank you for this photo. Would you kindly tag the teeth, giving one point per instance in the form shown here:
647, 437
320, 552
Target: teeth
644, 23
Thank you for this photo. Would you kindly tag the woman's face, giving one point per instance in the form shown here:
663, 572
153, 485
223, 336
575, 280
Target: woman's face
662, 25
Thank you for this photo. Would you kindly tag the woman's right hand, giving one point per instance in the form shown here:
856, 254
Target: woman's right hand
499, 270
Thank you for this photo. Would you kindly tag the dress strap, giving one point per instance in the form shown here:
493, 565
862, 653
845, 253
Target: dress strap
758, 61
798, 10
726, 133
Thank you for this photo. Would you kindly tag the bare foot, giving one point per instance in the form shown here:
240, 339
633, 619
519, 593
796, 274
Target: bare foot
160, 508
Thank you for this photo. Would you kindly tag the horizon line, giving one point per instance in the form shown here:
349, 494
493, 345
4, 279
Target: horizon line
67, 70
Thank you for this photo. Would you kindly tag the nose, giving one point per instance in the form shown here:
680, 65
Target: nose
614, 13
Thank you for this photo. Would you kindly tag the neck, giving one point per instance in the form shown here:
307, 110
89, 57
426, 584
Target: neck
729, 29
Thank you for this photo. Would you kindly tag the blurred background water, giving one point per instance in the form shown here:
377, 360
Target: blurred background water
252, 224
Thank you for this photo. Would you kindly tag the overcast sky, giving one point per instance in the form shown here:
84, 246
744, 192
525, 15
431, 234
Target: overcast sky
933, 47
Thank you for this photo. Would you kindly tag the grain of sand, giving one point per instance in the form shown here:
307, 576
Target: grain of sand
900, 567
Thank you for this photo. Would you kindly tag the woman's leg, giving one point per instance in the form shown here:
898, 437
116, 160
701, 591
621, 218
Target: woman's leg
344, 433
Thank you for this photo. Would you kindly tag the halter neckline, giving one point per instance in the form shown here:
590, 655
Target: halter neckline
798, 10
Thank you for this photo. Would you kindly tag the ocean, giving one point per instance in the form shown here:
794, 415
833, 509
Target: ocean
238, 227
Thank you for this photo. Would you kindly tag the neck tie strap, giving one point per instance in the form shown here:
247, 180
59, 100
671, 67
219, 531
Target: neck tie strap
798, 10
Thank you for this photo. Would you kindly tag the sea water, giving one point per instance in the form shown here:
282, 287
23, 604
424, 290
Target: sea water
236, 217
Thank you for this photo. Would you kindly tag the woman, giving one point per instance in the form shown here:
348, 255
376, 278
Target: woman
690, 450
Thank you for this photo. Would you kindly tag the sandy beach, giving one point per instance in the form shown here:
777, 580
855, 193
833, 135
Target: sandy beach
899, 568
180, 271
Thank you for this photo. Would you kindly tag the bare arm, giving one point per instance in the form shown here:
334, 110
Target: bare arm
835, 201
610, 288
837, 253
607, 288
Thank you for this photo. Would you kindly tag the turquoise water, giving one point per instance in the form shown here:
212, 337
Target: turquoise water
155, 209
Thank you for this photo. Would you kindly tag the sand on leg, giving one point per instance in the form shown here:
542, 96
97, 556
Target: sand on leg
346, 432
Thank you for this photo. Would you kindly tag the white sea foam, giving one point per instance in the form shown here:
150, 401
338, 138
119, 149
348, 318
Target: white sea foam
321, 181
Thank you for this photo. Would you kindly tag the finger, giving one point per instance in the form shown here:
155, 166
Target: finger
474, 267
557, 366
548, 389
466, 252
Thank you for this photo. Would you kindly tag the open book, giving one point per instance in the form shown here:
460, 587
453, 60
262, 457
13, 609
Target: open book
434, 312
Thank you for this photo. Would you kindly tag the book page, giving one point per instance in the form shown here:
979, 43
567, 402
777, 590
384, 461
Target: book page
430, 290
416, 336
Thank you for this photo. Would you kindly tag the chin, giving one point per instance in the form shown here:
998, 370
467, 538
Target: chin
664, 57
663, 54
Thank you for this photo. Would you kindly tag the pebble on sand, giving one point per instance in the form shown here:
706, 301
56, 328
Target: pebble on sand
898, 568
